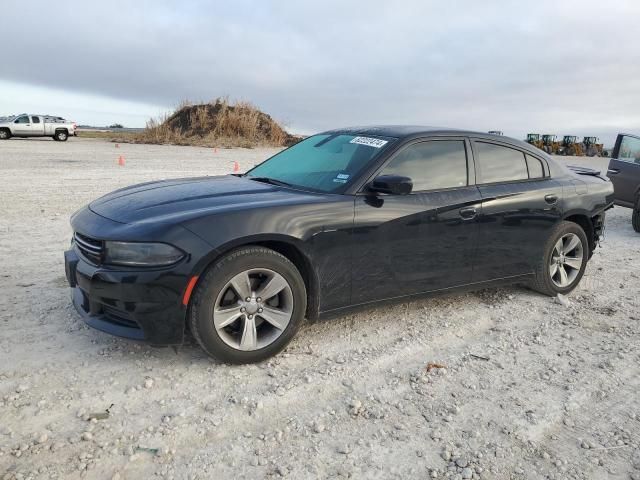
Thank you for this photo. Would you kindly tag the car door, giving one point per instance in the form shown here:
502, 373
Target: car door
22, 126
37, 126
520, 206
624, 169
423, 241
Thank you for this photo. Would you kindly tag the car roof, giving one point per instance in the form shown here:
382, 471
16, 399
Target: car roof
395, 131
405, 132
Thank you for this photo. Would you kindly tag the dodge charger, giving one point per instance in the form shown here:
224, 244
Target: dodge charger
342, 219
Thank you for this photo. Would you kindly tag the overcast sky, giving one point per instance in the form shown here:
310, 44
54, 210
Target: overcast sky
564, 67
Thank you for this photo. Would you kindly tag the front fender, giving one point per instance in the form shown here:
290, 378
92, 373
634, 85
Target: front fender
320, 232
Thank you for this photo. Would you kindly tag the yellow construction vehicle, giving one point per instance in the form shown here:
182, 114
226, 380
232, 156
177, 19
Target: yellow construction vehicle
549, 144
591, 147
534, 139
570, 146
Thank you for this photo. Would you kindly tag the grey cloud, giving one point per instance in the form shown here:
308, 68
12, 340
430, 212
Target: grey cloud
567, 67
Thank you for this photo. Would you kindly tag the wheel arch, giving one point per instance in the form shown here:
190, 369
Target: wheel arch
289, 247
585, 220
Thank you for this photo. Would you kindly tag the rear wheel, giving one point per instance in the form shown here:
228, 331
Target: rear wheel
61, 136
248, 306
564, 260
5, 134
635, 217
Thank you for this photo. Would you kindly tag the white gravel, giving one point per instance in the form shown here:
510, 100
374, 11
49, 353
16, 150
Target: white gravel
551, 393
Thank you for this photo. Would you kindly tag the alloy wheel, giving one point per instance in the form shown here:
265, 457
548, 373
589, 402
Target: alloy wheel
566, 260
253, 309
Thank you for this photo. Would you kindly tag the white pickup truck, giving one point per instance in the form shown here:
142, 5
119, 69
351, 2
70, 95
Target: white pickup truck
25, 125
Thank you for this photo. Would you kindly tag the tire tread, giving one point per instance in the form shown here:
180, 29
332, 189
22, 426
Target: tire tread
635, 216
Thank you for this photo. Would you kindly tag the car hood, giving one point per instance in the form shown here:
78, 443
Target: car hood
187, 198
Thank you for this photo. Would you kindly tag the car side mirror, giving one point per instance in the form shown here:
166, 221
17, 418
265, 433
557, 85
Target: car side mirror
392, 185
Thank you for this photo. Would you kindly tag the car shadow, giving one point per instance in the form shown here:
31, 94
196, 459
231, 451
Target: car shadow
189, 352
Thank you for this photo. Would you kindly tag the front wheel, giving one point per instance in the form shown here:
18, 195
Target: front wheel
635, 217
248, 306
564, 260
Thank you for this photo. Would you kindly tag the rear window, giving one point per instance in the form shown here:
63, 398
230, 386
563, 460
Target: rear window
500, 164
35, 119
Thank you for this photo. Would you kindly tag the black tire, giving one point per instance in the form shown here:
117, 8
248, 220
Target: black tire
61, 136
542, 281
214, 281
5, 134
635, 216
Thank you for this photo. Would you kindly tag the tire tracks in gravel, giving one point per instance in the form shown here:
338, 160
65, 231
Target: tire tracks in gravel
310, 401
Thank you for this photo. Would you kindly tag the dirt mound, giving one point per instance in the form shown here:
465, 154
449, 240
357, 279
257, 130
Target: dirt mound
218, 123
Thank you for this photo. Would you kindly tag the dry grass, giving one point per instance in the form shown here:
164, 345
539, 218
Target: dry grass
215, 124
114, 136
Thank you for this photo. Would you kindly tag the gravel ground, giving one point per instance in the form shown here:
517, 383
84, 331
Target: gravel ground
524, 387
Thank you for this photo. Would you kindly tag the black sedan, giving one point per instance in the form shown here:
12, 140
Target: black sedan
342, 219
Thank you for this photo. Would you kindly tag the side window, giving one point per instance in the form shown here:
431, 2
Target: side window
432, 165
500, 164
35, 119
629, 149
535, 167
23, 119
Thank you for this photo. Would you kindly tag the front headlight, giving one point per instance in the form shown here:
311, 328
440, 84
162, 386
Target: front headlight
141, 254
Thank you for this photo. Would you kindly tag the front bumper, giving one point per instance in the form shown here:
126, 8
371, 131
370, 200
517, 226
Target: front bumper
136, 304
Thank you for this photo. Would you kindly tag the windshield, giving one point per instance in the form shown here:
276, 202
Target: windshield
325, 163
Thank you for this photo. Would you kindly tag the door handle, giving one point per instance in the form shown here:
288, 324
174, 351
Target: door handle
468, 213
613, 170
551, 199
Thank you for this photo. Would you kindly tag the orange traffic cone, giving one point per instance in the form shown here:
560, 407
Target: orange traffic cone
236, 167
121, 161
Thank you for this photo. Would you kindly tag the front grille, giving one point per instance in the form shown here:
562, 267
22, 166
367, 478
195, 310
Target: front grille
90, 248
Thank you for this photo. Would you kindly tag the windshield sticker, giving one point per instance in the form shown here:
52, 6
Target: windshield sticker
371, 142
341, 178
